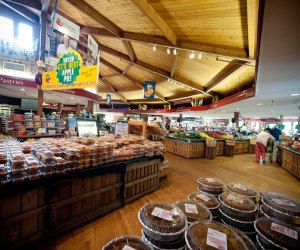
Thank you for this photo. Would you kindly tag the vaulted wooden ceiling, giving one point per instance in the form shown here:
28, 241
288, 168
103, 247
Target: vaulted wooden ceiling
126, 30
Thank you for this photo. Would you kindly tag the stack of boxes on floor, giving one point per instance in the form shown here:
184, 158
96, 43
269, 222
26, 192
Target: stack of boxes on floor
221, 216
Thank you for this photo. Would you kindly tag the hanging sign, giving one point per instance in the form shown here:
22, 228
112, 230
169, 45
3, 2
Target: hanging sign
70, 74
93, 47
108, 100
149, 90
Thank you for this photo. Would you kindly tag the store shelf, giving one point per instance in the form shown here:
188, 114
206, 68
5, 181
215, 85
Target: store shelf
39, 136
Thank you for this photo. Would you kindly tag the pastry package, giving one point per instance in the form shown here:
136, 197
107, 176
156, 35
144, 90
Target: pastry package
211, 185
242, 190
127, 243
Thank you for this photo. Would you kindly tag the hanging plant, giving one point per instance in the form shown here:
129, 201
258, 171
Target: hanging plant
280, 127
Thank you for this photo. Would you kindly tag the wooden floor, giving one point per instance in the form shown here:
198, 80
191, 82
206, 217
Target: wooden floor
180, 182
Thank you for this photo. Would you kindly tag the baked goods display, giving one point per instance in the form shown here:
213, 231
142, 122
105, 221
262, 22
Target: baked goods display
241, 190
127, 242
211, 185
162, 222
49, 156
213, 235
281, 206
238, 211
275, 234
210, 201
193, 210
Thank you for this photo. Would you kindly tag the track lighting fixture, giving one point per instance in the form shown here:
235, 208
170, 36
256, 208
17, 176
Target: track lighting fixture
174, 52
192, 56
200, 55
168, 51
154, 47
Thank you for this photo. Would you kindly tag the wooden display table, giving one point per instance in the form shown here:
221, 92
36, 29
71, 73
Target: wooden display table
39, 209
291, 161
241, 146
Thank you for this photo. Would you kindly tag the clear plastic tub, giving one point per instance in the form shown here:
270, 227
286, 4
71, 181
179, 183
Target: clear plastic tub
211, 185
131, 242
45, 159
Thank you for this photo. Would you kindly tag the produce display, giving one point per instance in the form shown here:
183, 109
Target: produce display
292, 145
45, 157
202, 136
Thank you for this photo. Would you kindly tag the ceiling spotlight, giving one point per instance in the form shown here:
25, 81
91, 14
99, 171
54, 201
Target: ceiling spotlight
72, 97
200, 55
54, 94
174, 52
168, 51
259, 104
294, 94
154, 47
192, 56
22, 89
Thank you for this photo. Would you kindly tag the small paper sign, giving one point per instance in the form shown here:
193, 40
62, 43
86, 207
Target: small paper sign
239, 186
210, 180
235, 198
284, 230
203, 197
216, 239
190, 208
284, 202
162, 213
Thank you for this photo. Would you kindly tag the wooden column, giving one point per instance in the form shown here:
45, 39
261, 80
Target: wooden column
236, 118
90, 106
77, 108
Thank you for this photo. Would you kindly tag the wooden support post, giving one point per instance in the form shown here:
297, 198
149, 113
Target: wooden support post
236, 118
77, 108
90, 106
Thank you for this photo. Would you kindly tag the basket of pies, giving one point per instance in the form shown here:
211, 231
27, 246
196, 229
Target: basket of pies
213, 235
210, 201
193, 210
275, 234
210, 185
127, 242
242, 190
162, 221
237, 211
281, 206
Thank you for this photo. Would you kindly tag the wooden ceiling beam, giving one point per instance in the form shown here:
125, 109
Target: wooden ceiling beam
96, 31
128, 67
231, 68
109, 76
182, 95
21, 10
173, 67
252, 19
96, 15
128, 47
28, 3
149, 11
109, 85
144, 100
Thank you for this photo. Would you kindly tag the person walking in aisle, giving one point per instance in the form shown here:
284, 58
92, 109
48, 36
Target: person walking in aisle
261, 144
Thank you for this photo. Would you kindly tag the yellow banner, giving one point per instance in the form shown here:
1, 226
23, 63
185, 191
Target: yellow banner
70, 74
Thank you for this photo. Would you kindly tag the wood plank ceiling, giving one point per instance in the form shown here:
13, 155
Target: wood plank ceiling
126, 30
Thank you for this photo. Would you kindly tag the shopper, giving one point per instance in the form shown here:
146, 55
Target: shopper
276, 133
261, 144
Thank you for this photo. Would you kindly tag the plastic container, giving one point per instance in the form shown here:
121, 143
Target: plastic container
282, 206
196, 236
45, 159
242, 190
71, 157
162, 221
211, 185
275, 234
210, 201
132, 242
193, 210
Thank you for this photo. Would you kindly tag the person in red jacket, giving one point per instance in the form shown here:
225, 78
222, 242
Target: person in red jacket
261, 144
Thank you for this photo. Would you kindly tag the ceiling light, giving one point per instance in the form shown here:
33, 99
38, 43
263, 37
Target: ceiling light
154, 47
259, 104
294, 94
22, 89
192, 56
168, 51
72, 97
174, 52
53, 94
272, 111
200, 55
236, 108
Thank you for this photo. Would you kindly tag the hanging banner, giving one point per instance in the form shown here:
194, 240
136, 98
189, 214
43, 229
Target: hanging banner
149, 90
70, 74
65, 36
108, 100
93, 47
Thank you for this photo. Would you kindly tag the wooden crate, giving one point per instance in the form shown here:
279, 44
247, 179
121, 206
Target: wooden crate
22, 217
220, 148
251, 149
79, 200
241, 147
291, 162
185, 149
140, 179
